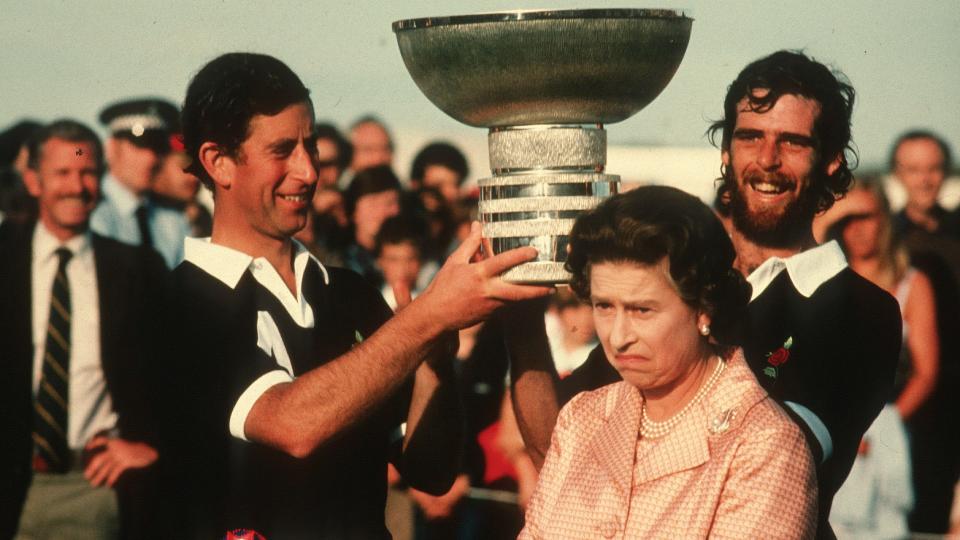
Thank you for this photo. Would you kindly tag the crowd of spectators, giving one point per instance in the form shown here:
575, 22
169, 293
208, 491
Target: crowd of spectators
396, 229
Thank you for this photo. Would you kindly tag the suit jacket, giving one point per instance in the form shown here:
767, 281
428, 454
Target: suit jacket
131, 282
735, 466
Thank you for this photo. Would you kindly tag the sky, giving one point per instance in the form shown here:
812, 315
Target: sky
72, 58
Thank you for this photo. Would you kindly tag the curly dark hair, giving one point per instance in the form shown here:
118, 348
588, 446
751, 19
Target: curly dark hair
652, 222
226, 94
794, 73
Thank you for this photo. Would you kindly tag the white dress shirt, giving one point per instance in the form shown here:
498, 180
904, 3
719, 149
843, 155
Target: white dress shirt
90, 408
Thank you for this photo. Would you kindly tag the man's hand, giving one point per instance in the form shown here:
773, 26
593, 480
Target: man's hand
113, 457
464, 293
442, 506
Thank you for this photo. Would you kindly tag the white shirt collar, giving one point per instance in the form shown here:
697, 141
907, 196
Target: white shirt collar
120, 196
807, 270
45, 244
228, 264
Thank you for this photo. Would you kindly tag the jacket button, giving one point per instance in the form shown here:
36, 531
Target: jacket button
609, 529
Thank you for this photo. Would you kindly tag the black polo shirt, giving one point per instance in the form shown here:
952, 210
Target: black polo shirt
823, 342
234, 331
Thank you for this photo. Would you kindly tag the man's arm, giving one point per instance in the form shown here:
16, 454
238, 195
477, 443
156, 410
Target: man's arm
433, 441
533, 377
299, 416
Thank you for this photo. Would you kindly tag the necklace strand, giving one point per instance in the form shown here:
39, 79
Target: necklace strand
653, 430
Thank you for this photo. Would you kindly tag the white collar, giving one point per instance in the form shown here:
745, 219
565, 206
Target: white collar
120, 196
807, 269
45, 244
228, 264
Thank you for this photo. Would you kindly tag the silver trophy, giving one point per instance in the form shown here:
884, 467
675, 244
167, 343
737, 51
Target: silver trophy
544, 83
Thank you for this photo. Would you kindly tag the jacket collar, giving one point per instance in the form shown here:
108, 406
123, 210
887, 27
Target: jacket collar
807, 270
688, 445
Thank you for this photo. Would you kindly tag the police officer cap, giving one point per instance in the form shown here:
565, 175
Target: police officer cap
147, 123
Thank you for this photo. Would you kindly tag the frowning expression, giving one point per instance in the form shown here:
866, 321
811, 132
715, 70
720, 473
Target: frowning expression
649, 334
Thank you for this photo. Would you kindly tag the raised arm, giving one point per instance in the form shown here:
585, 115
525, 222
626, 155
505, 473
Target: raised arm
923, 343
299, 416
533, 377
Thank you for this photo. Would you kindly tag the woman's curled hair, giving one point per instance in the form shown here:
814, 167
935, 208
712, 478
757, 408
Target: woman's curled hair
652, 222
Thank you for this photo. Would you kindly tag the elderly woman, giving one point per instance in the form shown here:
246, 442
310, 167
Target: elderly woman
688, 445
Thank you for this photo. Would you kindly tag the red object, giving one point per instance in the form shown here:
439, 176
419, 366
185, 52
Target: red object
244, 534
778, 357
176, 143
497, 464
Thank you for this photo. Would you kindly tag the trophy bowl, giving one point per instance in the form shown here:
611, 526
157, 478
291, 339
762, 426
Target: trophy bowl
544, 67
543, 83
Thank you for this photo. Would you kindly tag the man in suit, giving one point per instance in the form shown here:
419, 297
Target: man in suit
75, 331
822, 340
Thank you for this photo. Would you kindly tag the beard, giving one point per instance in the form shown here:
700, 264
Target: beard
776, 227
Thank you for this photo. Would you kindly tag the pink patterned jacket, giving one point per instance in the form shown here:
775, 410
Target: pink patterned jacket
735, 466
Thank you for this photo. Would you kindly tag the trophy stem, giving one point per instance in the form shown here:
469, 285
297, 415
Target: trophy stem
544, 176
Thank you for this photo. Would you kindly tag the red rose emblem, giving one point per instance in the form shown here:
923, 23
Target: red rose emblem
778, 357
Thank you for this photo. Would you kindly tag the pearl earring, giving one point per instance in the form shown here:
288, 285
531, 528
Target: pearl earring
705, 330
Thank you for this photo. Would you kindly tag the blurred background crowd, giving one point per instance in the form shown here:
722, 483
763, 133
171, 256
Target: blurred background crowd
394, 217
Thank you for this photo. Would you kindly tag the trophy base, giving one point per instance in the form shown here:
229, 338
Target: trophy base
542, 272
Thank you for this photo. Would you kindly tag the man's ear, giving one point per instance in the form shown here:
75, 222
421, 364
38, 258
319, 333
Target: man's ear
725, 157
220, 166
31, 180
834, 164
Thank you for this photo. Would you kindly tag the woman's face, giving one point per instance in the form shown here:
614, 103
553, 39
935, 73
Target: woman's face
861, 235
649, 334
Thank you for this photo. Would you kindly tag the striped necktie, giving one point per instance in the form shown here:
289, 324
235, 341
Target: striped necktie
50, 424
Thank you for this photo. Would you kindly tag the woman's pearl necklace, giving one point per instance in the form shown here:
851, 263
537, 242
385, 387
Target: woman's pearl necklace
652, 430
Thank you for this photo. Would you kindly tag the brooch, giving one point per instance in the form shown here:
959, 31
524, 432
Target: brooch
722, 422
778, 358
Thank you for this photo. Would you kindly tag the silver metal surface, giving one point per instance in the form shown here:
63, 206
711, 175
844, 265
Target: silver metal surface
544, 67
539, 204
570, 147
544, 82
537, 272
547, 177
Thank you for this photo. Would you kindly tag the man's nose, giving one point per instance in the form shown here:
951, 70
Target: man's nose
769, 157
302, 166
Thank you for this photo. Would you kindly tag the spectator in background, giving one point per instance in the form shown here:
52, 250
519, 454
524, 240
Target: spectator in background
373, 196
327, 228
372, 144
175, 188
442, 166
570, 329
78, 331
399, 250
861, 223
139, 138
921, 161
878, 496
15, 203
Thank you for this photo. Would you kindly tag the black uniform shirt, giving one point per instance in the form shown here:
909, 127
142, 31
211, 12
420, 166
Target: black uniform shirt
235, 332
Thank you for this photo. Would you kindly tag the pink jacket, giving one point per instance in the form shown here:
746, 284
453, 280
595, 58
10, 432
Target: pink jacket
735, 466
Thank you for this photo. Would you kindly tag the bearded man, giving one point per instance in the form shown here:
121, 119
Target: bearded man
820, 339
